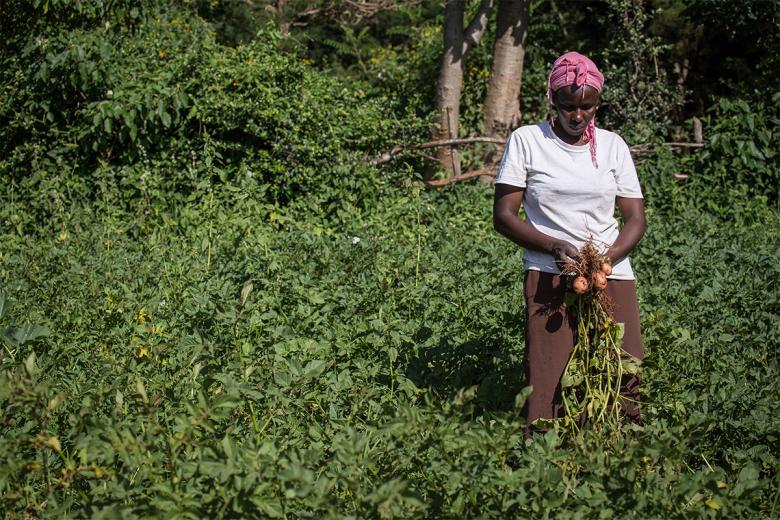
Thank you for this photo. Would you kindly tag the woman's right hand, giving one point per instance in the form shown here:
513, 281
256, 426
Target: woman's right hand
563, 252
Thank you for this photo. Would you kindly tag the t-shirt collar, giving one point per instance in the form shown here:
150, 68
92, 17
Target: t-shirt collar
578, 148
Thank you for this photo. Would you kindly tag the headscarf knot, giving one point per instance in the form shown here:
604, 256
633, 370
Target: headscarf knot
580, 74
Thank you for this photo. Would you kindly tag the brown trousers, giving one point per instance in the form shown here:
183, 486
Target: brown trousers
550, 335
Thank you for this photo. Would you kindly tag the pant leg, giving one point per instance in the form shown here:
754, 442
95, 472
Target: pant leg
623, 293
549, 341
550, 335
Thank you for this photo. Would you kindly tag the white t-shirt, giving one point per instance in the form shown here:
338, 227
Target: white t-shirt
566, 197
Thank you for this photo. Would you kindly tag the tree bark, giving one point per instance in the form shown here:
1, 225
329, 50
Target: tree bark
457, 42
502, 103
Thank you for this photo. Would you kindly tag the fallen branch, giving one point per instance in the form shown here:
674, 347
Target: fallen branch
639, 150
684, 145
400, 148
490, 171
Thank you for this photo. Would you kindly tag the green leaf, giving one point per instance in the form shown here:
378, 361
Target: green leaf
713, 504
227, 446
522, 397
4, 303
631, 365
166, 119
28, 332
29, 364
245, 292
620, 331
314, 368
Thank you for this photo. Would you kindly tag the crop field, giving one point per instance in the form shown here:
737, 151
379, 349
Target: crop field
216, 302
220, 360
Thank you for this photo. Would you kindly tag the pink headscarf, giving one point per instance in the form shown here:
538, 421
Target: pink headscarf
575, 69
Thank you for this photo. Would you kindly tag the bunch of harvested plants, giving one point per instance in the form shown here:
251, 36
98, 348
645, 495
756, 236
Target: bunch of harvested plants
591, 381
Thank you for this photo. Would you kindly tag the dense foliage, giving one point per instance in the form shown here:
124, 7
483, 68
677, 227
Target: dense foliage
212, 306
230, 365
163, 108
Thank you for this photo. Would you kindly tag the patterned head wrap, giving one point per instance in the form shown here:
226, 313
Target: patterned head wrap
575, 69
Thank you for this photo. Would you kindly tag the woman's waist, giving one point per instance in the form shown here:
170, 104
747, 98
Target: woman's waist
539, 261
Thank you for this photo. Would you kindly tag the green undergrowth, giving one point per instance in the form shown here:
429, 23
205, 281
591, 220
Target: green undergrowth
226, 358
212, 305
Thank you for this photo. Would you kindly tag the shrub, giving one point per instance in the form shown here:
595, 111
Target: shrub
741, 148
165, 105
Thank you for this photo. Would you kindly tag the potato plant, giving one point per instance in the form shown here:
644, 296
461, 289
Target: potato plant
220, 309
226, 361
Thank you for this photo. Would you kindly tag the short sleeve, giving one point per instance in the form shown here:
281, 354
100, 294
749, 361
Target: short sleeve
512, 168
626, 177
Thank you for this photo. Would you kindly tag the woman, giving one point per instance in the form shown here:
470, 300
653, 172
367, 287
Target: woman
569, 176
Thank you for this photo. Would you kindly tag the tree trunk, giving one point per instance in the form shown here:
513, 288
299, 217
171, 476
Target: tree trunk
502, 103
457, 42
450, 84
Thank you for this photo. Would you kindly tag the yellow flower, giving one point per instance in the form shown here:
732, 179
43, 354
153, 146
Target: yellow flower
162, 54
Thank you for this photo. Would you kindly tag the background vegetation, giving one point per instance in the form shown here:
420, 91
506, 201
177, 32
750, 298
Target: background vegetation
213, 305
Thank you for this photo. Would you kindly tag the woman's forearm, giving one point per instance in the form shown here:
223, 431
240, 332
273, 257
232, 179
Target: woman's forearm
506, 207
522, 233
626, 241
633, 213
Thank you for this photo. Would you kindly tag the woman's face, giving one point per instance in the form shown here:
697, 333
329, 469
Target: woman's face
576, 107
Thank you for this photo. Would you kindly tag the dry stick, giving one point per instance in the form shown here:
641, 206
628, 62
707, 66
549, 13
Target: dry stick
400, 148
683, 145
489, 171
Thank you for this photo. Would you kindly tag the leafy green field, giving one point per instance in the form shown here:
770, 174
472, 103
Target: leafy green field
212, 305
228, 361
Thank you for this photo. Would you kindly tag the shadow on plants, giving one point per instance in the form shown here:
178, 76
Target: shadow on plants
490, 364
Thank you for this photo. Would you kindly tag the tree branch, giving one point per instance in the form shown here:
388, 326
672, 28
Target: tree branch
490, 171
399, 148
684, 145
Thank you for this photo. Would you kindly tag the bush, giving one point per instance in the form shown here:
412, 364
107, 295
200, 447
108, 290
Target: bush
184, 345
166, 106
225, 365
741, 147
639, 100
